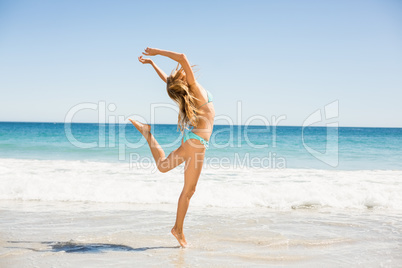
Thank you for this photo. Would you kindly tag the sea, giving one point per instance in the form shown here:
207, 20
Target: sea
88, 194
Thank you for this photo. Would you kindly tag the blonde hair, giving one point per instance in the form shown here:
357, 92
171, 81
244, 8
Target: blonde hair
179, 91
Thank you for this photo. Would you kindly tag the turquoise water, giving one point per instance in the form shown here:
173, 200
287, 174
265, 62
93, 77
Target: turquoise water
356, 148
60, 190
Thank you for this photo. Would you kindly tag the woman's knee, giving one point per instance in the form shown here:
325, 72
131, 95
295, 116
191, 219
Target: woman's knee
163, 166
189, 192
162, 169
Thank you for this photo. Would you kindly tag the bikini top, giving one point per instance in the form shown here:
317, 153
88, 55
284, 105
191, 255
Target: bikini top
210, 98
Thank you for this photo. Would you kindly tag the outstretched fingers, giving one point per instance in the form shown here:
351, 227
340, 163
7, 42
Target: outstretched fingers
142, 60
149, 52
146, 52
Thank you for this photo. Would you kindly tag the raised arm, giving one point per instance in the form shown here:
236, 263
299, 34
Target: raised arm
179, 57
161, 73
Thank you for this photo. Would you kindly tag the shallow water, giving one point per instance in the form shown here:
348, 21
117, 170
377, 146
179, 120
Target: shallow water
66, 206
69, 234
281, 189
357, 149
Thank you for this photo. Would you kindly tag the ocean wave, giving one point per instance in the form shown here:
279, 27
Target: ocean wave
283, 189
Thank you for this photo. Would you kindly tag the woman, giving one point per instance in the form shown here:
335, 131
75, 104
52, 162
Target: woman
196, 119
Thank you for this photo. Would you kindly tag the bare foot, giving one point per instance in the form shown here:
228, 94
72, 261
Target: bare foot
143, 128
179, 237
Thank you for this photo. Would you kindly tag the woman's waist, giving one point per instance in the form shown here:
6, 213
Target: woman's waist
204, 133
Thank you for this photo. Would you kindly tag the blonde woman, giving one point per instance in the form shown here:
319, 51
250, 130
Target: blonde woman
196, 120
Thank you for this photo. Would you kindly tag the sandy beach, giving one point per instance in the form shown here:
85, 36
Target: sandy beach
65, 234
296, 103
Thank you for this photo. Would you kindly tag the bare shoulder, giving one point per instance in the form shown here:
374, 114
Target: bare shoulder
197, 90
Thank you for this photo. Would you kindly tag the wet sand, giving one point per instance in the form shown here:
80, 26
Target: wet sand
78, 234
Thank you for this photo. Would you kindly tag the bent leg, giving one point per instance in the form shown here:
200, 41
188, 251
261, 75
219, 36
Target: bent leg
163, 163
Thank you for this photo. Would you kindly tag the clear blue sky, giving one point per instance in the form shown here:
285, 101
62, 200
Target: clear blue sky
276, 57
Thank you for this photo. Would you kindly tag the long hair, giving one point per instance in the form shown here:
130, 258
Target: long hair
179, 91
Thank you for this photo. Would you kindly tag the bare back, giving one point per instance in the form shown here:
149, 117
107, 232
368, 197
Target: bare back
207, 112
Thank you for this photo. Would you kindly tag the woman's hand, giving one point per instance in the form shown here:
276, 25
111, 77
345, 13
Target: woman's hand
144, 61
150, 51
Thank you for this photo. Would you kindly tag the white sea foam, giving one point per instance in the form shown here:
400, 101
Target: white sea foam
58, 180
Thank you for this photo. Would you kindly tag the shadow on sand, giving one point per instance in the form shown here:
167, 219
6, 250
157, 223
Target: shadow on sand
75, 247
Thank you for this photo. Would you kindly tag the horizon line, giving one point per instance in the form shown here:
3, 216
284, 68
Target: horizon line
56, 122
